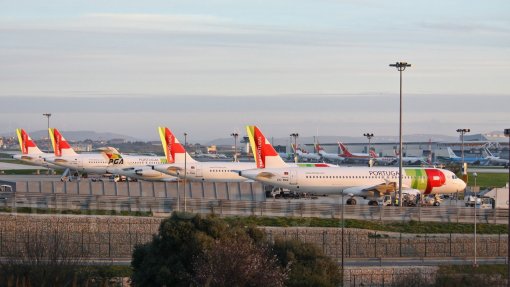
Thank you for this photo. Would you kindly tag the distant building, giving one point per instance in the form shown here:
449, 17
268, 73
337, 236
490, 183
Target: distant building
116, 141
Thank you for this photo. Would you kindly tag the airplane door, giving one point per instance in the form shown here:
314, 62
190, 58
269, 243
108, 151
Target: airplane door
198, 170
293, 177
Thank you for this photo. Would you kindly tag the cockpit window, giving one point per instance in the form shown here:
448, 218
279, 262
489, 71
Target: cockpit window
454, 176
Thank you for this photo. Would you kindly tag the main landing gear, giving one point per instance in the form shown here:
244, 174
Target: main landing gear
351, 201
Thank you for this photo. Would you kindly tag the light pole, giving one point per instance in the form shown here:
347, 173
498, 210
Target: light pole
476, 201
401, 66
507, 134
370, 159
369, 137
462, 132
178, 193
185, 168
343, 226
295, 136
235, 135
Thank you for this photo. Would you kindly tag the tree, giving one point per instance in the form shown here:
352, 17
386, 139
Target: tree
308, 265
190, 250
238, 261
185, 243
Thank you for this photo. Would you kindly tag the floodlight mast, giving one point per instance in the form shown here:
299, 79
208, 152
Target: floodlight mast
401, 66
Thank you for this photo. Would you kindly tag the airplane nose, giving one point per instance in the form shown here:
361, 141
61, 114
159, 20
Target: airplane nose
462, 184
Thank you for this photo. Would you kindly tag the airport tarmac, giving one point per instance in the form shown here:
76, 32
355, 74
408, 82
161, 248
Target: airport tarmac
16, 166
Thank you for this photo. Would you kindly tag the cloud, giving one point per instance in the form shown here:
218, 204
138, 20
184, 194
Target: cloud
157, 22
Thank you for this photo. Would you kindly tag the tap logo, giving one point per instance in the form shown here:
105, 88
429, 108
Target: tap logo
169, 138
25, 142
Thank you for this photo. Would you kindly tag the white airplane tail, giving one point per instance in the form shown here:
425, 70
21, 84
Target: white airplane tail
264, 153
489, 154
60, 146
451, 154
174, 151
26, 144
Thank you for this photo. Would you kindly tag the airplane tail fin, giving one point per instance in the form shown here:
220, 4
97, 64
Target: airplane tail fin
174, 151
26, 144
60, 145
451, 154
345, 151
372, 154
264, 153
489, 154
318, 147
294, 147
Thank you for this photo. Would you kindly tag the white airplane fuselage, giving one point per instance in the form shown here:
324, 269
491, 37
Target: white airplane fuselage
100, 163
219, 171
356, 180
36, 159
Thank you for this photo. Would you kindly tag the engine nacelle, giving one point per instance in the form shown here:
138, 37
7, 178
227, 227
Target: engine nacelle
147, 172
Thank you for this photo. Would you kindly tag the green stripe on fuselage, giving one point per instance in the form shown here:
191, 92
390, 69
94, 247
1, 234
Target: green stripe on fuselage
418, 177
306, 165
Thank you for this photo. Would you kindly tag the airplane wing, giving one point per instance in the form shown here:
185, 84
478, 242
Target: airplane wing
265, 174
386, 187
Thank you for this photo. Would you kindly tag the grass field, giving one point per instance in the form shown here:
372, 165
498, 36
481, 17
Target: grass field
404, 227
488, 180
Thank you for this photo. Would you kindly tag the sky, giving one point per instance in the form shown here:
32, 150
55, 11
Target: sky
211, 67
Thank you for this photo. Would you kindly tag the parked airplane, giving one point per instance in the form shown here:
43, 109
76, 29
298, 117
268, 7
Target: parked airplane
412, 160
194, 170
495, 160
329, 156
471, 160
109, 160
210, 155
345, 153
367, 182
30, 153
383, 160
224, 171
303, 154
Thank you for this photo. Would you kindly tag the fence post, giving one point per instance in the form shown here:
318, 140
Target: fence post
450, 244
109, 241
400, 244
324, 241
375, 245
425, 245
82, 242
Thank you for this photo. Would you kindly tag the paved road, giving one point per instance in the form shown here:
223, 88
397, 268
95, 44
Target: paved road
15, 166
420, 261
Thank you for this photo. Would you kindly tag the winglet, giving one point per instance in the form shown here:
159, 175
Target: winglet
26, 144
264, 153
60, 145
174, 151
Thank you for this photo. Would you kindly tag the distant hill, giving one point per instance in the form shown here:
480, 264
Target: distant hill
81, 135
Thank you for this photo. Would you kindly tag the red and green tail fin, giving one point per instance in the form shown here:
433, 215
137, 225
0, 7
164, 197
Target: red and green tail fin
174, 151
26, 144
60, 145
264, 153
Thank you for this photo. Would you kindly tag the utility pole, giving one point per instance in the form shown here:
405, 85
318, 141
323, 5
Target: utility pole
401, 66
